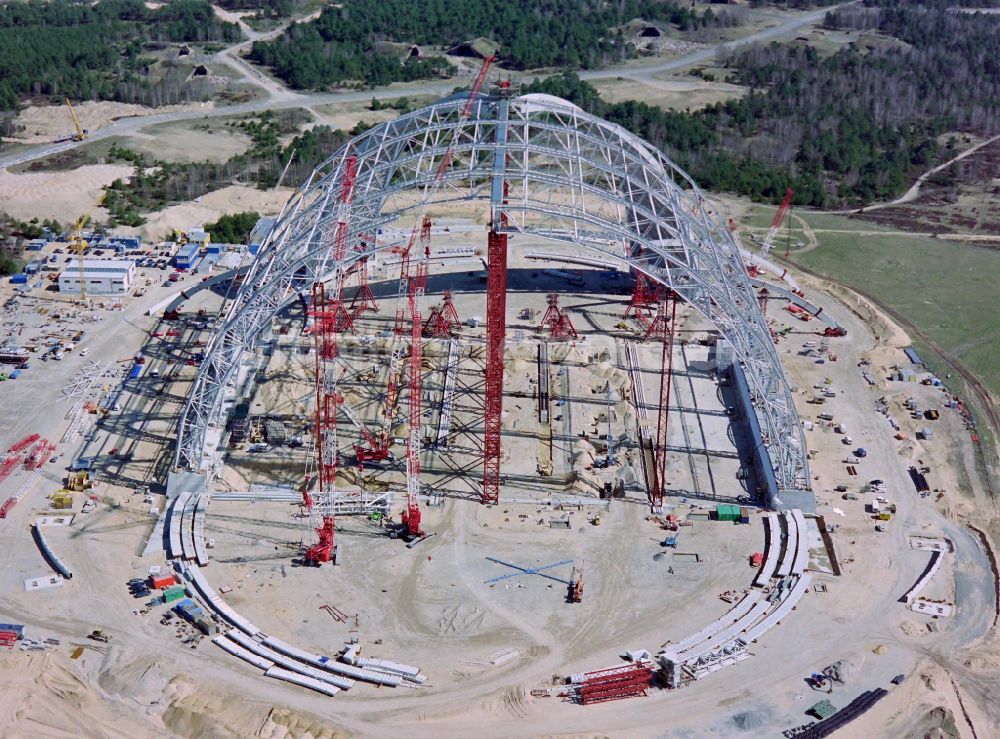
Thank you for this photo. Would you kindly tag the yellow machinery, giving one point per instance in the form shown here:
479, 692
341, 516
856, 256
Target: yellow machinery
78, 481
80, 134
62, 500
78, 245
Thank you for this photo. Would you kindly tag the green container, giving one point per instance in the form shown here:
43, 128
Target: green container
174, 593
725, 512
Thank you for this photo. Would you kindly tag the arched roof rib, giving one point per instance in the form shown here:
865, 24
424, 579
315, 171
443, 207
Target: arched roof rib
572, 177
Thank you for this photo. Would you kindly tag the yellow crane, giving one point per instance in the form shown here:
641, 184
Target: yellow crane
78, 244
81, 132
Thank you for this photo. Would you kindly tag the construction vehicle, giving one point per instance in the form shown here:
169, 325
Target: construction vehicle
78, 245
575, 594
80, 134
99, 635
768, 242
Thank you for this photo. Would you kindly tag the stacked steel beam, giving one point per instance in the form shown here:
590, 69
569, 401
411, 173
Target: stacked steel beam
615, 683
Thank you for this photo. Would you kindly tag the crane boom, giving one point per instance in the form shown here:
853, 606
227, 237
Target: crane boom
779, 216
80, 133
421, 228
79, 246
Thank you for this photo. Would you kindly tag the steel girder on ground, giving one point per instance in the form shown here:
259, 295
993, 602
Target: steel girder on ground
572, 177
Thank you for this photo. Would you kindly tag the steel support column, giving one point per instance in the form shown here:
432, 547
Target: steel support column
664, 324
496, 312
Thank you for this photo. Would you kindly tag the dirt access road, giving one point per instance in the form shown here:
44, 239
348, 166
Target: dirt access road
280, 98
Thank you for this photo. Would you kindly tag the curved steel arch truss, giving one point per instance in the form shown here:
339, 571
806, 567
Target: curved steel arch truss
546, 169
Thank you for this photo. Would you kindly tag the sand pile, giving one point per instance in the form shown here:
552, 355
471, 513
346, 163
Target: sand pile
206, 209
64, 196
43, 124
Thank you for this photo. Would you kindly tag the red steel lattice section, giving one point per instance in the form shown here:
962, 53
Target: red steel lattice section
496, 323
443, 320
616, 683
556, 320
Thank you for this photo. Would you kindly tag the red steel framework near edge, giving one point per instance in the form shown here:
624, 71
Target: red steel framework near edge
615, 683
496, 312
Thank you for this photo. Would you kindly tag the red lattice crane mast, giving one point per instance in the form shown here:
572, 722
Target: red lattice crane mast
779, 216
421, 228
330, 317
418, 286
364, 299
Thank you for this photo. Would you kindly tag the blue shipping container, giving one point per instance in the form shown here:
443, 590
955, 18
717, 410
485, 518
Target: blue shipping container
136, 371
19, 279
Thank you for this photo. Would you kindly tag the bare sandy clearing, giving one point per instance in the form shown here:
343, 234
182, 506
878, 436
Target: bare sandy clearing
232, 199
64, 196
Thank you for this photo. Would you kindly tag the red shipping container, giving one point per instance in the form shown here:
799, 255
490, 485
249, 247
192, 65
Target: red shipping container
163, 582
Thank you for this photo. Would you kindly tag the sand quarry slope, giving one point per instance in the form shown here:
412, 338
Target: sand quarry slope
64, 196
104, 693
206, 209
42, 124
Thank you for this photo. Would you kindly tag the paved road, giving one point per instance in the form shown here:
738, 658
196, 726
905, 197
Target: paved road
640, 73
279, 98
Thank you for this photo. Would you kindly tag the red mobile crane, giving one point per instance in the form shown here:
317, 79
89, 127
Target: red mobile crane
330, 317
422, 225
779, 216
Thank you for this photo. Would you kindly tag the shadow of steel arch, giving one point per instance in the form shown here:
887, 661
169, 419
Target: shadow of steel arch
546, 169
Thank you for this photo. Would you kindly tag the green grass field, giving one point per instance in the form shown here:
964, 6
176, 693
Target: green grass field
949, 290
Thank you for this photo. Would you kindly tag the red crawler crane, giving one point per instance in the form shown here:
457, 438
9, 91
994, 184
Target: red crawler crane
330, 318
763, 296
417, 287
779, 216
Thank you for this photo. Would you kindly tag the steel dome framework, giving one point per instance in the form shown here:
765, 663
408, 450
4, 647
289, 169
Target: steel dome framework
554, 172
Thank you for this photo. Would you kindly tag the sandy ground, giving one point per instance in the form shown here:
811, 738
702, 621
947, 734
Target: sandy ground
347, 116
669, 92
42, 124
64, 196
430, 605
189, 142
232, 199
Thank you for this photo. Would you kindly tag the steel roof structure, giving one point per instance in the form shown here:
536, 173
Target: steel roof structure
554, 172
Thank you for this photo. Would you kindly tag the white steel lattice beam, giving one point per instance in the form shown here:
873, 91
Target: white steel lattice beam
572, 177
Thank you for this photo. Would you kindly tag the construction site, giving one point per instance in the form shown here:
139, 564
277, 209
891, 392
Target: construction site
504, 413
